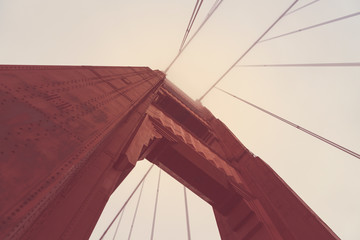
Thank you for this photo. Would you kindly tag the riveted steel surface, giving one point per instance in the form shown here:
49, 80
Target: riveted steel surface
69, 135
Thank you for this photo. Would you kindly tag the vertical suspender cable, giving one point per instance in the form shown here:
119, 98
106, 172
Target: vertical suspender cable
137, 186
302, 7
117, 227
211, 12
312, 26
187, 215
191, 22
136, 209
354, 154
338, 64
156, 202
248, 50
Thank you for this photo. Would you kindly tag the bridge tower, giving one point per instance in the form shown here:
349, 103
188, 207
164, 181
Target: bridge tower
71, 134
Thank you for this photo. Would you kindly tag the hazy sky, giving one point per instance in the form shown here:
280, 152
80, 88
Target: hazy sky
148, 33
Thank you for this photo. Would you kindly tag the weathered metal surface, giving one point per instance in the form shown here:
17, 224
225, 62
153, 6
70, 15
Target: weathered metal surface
69, 135
53, 122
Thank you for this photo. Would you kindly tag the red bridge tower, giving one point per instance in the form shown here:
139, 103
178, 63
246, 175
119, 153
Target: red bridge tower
70, 135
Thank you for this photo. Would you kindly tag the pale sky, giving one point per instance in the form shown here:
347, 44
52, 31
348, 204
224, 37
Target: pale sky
148, 33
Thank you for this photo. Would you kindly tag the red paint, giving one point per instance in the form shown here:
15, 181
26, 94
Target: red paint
70, 135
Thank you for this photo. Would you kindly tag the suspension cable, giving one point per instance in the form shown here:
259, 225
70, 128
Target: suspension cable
191, 22
117, 226
354, 154
302, 7
211, 12
187, 215
126, 202
155, 208
346, 64
248, 50
136, 210
312, 26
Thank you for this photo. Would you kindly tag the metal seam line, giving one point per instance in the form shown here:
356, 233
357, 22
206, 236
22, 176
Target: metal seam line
126, 202
354, 154
248, 50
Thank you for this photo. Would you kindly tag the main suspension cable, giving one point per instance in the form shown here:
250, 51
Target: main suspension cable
155, 208
187, 215
345, 64
354, 154
211, 12
312, 26
248, 50
191, 22
126, 202
302, 7
136, 210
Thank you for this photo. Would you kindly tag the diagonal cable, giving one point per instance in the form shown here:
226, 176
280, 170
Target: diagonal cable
126, 202
343, 64
302, 7
191, 22
155, 208
117, 226
187, 215
248, 50
354, 154
211, 12
136, 210
312, 26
